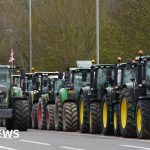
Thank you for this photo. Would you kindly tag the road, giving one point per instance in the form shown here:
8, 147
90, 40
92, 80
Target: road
52, 140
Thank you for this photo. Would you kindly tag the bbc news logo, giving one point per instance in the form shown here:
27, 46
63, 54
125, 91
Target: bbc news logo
9, 134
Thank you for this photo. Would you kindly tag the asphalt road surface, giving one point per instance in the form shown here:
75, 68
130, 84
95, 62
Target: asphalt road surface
52, 140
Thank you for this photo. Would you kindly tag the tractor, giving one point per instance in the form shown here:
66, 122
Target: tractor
43, 102
13, 105
101, 76
123, 73
67, 101
135, 101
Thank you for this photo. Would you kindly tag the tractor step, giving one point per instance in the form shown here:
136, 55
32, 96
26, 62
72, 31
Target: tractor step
5, 113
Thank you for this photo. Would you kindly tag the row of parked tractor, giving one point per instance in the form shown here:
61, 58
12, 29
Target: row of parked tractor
112, 99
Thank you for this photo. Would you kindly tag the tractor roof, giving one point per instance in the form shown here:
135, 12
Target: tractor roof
83, 64
143, 58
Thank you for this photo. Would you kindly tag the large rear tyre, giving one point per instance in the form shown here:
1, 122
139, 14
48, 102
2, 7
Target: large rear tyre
116, 122
95, 118
84, 114
58, 114
143, 119
50, 117
107, 117
41, 114
34, 116
70, 117
127, 121
21, 116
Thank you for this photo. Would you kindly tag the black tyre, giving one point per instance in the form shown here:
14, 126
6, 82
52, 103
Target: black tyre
41, 117
58, 114
70, 116
21, 116
95, 118
116, 122
50, 117
107, 117
34, 116
127, 119
84, 114
143, 119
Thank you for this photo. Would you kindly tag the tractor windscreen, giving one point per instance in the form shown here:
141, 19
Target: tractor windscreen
102, 77
29, 85
58, 85
5, 77
78, 82
45, 85
129, 73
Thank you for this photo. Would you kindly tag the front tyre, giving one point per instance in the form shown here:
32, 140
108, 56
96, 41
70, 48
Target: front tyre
21, 116
95, 118
70, 117
143, 119
127, 122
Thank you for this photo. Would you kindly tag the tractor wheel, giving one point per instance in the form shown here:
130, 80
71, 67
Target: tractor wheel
116, 122
70, 116
34, 117
50, 114
127, 122
95, 118
41, 117
143, 119
20, 120
58, 114
84, 114
107, 115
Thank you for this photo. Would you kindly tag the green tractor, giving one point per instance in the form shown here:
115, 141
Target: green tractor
111, 99
102, 77
13, 105
135, 101
67, 101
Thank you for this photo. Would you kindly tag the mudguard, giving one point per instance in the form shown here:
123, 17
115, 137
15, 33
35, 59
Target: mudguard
63, 93
16, 92
131, 88
46, 97
85, 91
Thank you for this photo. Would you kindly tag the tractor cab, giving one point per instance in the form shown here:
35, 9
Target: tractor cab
12, 102
102, 76
125, 73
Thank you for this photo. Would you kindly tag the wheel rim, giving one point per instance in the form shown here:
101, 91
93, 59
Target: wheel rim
47, 119
115, 120
105, 114
40, 113
81, 112
123, 113
139, 120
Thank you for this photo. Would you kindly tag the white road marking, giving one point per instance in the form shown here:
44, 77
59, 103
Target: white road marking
34, 142
71, 148
7, 148
136, 147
